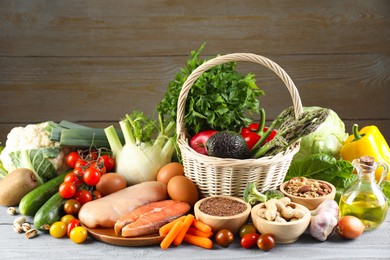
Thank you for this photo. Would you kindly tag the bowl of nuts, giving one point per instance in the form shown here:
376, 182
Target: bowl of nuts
308, 192
284, 219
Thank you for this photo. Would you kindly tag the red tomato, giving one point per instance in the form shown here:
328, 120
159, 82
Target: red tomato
72, 224
78, 171
72, 158
99, 166
67, 190
72, 207
91, 176
80, 163
73, 178
108, 161
96, 195
83, 196
266, 242
249, 240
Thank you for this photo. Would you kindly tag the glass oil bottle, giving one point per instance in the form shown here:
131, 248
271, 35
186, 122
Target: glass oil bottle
364, 199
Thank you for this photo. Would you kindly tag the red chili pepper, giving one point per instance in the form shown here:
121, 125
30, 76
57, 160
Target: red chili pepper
253, 133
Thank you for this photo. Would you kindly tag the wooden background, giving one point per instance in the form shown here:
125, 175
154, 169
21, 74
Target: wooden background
94, 61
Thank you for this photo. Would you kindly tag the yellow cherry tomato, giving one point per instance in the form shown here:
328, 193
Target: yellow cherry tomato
67, 218
78, 234
58, 229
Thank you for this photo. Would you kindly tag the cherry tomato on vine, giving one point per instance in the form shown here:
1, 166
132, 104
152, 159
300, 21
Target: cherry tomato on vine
80, 163
78, 171
91, 176
247, 229
108, 161
224, 237
58, 229
83, 196
67, 190
73, 178
266, 242
72, 207
72, 158
78, 234
71, 225
249, 240
96, 195
98, 166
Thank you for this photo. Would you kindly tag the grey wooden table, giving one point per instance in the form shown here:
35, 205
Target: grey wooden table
371, 245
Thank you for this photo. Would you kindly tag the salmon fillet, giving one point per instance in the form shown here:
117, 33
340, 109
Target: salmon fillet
147, 219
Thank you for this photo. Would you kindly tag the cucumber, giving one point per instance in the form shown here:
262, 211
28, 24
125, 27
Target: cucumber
50, 212
33, 200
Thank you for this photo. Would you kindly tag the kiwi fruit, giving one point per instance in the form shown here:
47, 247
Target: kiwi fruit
15, 185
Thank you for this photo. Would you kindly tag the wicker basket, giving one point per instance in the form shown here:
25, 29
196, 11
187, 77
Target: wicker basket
220, 176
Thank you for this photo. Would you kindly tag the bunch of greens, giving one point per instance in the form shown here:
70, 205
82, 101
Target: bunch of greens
220, 99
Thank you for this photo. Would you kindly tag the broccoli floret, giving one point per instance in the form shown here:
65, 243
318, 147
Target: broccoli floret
253, 196
273, 194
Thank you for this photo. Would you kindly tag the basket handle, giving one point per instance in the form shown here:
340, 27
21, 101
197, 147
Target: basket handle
234, 57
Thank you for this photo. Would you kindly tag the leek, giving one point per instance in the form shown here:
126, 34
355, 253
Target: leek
75, 135
148, 147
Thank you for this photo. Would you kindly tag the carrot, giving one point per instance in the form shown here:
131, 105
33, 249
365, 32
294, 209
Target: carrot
168, 239
196, 232
186, 225
163, 231
201, 226
198, 241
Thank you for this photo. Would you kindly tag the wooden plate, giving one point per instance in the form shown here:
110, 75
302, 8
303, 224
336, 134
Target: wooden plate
107, 235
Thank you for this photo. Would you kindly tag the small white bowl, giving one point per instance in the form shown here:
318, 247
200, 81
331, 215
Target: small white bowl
232, 223
284, 232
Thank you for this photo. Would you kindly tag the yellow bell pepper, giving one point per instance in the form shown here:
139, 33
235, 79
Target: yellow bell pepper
368, 141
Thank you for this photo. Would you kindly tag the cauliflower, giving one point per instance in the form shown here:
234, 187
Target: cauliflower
30, 137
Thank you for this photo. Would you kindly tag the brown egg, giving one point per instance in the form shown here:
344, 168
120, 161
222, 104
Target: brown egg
110, 182
168, 171
181, 188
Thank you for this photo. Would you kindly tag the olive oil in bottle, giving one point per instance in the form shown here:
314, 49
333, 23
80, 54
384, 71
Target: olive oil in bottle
364, 199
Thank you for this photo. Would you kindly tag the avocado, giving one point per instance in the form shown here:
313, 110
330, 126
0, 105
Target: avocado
227, 144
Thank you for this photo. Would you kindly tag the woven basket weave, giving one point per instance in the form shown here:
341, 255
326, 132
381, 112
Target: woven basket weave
221, 176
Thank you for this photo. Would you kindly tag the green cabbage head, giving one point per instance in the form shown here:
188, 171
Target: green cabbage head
328, 138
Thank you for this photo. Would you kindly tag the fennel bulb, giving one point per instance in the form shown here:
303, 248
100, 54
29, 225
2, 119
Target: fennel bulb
141, 157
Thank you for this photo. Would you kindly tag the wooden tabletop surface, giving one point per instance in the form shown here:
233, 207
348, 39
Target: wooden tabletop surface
371, 245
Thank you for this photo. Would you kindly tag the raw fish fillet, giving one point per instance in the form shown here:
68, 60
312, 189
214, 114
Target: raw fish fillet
147, 219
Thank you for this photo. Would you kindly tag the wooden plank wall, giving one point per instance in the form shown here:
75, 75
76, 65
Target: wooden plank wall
94, 61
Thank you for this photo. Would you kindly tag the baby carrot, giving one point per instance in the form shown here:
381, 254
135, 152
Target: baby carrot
186, 225
165, 229
196, 232
168, 239
198, 241
201, 226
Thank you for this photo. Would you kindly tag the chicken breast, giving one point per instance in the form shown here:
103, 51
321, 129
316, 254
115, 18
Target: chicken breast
105, 211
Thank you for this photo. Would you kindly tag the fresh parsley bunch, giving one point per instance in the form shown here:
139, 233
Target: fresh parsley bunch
220, 99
